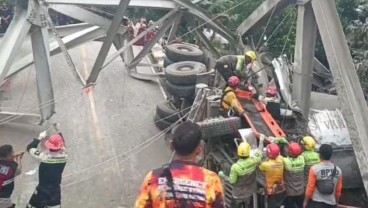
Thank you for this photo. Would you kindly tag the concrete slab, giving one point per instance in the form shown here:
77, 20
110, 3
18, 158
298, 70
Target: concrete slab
99, 127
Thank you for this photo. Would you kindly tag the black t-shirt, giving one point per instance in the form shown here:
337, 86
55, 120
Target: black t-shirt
7, 174
5, 13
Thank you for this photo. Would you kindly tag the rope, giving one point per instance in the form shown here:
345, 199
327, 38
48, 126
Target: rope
287, 38
264, 30
24, 89
278, 26
145, 145
219, 15
134, 129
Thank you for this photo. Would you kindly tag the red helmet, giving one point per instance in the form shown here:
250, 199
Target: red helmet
295, 149
233, 81
272, 91
273, 151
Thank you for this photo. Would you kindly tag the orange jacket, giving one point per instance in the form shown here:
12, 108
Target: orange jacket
193, 185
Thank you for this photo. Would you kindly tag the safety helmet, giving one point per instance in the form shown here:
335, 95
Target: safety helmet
309, 143
244, 149
273, 151
55, 142
252, 55
233, 81
294, 149
272, 91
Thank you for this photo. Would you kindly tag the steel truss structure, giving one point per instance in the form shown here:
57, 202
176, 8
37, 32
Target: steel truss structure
32, 19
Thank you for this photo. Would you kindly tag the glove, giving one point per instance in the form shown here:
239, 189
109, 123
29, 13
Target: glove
42, 135
262, 138
280, 141
221, 174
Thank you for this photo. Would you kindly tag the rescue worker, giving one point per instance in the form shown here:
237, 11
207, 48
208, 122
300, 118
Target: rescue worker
273, 169
311, 157
324, 183
294, 174
243, 174
183, 182
229, 101
52, 164
9, 169
235, 65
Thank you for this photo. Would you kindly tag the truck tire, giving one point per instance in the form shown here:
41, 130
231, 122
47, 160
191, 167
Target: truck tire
219, 127
183, 52
184, 72
167, 62
182, 91
162, 124
168, 111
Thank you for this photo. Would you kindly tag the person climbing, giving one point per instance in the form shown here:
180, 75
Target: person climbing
311, 157
324, 183
229, 101
9, 169
273, 169
243, 174
294, 174
183, 182
52, 164
236, 65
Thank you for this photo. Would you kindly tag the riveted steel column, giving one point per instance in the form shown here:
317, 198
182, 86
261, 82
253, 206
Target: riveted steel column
306, 33
13, 39
108, 41
353, 104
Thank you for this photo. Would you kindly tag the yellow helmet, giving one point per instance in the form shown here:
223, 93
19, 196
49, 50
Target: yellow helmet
252, 55
309, 143
244, 149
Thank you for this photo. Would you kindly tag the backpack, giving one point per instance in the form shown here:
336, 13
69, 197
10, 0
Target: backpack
327, 186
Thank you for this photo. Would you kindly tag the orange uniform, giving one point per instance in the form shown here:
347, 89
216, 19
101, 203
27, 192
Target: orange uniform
194, 187
274, 175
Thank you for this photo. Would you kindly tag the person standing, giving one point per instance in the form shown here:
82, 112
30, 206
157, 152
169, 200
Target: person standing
273, 169
243, 174
183, 182
52, 164
6, 16
294, 173
9, 169
324, 183
311, 157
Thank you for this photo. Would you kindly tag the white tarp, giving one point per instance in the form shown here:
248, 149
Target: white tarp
329, 127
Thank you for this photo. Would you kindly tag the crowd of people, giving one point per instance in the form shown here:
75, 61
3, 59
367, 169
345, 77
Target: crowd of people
301, 179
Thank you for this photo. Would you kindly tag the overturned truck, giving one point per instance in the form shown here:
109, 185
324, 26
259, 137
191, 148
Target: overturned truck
279, 118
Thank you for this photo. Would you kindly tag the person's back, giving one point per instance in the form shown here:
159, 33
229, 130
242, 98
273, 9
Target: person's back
324, 182
194, 187
274, 175
294, 173
182, 183
311, 157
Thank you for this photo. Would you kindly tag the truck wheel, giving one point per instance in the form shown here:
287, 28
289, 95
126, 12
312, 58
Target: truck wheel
184, 72
167, 62
219, 127
162, 124
182, 91
168, 111
183, 52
